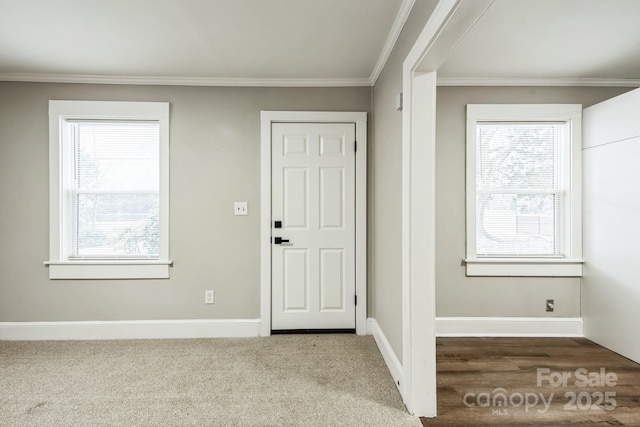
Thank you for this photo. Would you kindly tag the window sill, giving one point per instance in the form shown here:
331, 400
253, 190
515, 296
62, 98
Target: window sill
525, 267
116, 269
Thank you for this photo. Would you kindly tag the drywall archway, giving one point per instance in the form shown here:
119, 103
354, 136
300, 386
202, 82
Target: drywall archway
448, 24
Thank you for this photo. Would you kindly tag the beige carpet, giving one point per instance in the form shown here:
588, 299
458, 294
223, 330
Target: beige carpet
285, 380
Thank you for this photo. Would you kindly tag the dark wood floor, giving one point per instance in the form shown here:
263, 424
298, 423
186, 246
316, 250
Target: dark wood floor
473, 370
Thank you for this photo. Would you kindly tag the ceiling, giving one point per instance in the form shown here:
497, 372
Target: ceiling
245, 39
311, 42
551, 39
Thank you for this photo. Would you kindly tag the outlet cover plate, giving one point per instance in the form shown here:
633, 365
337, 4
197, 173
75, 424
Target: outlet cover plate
208, 297
240, 208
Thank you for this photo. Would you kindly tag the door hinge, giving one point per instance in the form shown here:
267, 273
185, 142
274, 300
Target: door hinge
355, 146
356, 299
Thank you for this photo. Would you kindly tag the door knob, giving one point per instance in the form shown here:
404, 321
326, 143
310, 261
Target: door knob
279, 240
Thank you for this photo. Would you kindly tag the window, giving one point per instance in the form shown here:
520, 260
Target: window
109, 190
523, 190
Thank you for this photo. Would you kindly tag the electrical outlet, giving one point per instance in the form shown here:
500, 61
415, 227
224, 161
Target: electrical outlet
208, 297
550, 305
240, 208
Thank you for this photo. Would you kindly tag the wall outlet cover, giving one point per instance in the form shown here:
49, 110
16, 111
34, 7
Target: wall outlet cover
240, 208
208, 297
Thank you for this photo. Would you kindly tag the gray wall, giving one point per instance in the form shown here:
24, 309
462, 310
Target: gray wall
215, 160
457, 295
386, 181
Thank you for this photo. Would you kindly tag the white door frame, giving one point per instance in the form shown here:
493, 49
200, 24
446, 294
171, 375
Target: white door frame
449, 23
360, 121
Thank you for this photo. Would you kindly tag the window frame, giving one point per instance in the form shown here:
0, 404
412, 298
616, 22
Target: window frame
61, 265
569, 264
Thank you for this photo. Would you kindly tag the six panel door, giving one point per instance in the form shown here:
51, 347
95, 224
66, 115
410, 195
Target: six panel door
313, 213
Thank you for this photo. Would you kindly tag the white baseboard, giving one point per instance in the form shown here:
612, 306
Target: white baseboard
129, 329
509, 327
370, 322
228, 328
389, 356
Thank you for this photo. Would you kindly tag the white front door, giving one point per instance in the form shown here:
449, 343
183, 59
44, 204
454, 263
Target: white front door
313, 226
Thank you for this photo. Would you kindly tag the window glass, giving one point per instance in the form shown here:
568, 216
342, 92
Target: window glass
518, 199
115, 189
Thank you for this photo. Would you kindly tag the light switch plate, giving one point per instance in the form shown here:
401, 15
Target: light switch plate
240, 208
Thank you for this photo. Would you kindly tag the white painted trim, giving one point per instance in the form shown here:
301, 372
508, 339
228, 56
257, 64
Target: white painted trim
265, 223
523, 268
523, 112
335, 82
450, 21
313, 117
525, 81
129, 329
392, 39
361, 223
112, 270
570, 177
509, 327
370, 321
360, 120
389, 356
418, 244
61, 266
183, 81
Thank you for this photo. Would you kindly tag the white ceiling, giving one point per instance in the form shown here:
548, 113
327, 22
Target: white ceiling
551, 39
258, 39
312, 42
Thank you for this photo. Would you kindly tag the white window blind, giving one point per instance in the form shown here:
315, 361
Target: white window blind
114, 191
518, 189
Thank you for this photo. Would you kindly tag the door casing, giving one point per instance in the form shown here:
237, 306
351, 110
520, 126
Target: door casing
360, 121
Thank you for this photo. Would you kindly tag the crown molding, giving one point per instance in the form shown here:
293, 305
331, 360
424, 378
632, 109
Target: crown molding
272, 82
392, 39
181, 81
256, 82
525, 81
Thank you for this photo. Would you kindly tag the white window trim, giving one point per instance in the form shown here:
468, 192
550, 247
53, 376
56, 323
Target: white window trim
60, 266
569, 265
